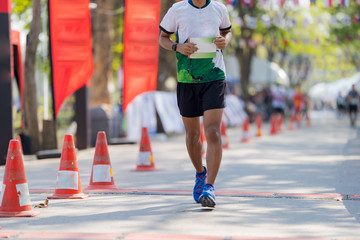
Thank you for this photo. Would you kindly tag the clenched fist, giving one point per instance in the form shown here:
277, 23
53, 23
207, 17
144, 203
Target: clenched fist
186, 48
220, 42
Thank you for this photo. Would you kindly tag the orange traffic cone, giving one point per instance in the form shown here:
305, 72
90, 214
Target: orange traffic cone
21, 149
15, 197
292, 124
258, 124
68, 184
273, 129
224, 137
101, 173
280, 123
245, 137
308, 122
203, 140
146, 158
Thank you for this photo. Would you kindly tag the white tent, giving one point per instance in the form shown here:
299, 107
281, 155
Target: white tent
265, 72
262, 71
329, 91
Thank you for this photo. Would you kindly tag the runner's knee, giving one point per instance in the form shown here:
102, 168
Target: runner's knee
212, 134
193, 137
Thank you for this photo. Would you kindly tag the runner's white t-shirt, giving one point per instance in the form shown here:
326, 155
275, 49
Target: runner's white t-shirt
189, 21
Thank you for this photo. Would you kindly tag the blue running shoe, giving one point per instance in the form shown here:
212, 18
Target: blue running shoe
207, 198
199, 184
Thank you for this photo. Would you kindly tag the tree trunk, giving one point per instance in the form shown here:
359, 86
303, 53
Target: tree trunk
102, 41
246, 48
30, 94
167, 59
245, 52
245, 70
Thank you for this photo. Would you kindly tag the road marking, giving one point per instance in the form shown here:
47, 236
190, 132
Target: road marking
65, 235
316, 196
133, 236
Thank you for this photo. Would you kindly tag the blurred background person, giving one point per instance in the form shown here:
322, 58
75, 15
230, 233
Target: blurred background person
298, 99
340, 105
278, 99
353, 103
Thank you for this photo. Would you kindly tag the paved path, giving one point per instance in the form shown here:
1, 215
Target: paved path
298, 184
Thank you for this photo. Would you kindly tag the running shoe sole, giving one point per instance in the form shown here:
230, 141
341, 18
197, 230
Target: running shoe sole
207, 201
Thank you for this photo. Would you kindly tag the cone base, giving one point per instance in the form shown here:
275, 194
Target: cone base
144, 168
245, 140
258, 133
226, 146
69, 196
101, 187
19, 214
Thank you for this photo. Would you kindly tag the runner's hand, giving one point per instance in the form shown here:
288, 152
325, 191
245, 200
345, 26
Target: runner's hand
186, 48
220, 42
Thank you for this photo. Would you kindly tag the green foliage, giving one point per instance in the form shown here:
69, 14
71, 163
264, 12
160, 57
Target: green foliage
118, 50
332, 49
345, 33
19, 7
22, 12
118, 46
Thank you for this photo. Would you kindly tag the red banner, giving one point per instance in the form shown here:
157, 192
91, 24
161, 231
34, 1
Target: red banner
141, 46
71, 49
5, 6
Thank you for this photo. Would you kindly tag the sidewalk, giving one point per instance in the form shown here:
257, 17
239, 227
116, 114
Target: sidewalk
297, 184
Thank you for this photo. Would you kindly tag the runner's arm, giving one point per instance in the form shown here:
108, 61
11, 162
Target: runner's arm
223, 40
185, 48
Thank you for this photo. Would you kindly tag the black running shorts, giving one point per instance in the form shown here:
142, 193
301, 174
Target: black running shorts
353, 108
195, 98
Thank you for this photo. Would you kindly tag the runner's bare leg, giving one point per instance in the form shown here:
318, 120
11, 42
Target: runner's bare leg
212, 124
193, 142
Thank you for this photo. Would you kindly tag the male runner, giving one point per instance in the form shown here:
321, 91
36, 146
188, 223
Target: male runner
201, 82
